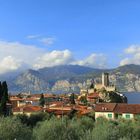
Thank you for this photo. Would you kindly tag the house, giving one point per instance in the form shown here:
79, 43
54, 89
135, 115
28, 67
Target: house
117, 110
28, 110
127, 111
59, 110
17, 102
93, 98
105, 110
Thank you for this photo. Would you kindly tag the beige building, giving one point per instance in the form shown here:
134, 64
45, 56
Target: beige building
105, 110
116, 111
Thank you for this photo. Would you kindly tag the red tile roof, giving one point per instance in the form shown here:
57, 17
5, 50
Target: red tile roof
127, 108
93, 96
58, 111
118, 108
27, 108
105, 107
85, 112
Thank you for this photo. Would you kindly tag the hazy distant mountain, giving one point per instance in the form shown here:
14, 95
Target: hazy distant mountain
72, 77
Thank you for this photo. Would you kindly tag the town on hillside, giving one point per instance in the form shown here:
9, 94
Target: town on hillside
99, 100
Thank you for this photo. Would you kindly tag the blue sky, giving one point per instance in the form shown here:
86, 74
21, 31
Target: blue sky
106, 28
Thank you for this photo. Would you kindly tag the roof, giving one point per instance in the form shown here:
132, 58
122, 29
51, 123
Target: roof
85, 112
56, 103
28, 108
93, 95
16, 99
58, 112
105, 107
127, 108
61, 108
79, 107
118, 108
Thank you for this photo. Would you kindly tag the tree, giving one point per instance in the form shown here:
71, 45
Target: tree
42, 100
72, 98
92, 86
66, 130
5, 90
83, 100
1, 94
3, 98
11, 129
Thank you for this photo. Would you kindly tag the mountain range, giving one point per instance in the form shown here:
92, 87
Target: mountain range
71, 78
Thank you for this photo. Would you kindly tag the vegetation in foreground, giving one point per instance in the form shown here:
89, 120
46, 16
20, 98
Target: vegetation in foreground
43, 126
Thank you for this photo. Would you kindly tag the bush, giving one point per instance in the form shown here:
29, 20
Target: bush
33, 119
11, 128
67, 130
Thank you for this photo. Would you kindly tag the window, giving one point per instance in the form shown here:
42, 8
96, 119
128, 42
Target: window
109, 115
127, 116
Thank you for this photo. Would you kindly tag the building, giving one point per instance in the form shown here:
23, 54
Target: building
105, 79
28, 110
105, 110
105, 83
117, 110
93, 98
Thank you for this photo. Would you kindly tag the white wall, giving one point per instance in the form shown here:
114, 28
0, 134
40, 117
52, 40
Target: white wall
104, 114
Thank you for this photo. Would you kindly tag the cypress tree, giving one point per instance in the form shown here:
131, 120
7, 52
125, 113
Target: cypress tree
72, 98
1, 94
5, 90
42, 100
3, 98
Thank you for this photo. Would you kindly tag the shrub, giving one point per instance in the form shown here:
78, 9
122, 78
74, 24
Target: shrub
11, 128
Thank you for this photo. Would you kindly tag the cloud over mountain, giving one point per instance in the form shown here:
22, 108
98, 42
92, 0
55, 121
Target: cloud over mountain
94, 60
15, 55
132, 55
54, 58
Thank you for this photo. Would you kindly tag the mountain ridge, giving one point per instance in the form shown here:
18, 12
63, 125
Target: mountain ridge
62, 78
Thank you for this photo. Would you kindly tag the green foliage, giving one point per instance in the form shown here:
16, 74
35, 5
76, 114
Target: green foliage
112, 96
67, 130
115, 98
72, 98
92, 86
45, 128
11, 128
33, 119
83, 100
3, 99
42, 100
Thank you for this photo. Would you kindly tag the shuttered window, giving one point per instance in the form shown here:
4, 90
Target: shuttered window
109, 115
127, 116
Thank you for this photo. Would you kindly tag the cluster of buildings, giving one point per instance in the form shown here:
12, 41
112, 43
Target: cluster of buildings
61, 105
57, 105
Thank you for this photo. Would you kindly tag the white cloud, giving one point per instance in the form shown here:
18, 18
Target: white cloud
54, 58
33, 36
132, 55
15, 56
133, 49
94, 60
19, 51
8, 64
47, 41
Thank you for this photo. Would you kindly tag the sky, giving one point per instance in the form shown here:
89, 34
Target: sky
44, 33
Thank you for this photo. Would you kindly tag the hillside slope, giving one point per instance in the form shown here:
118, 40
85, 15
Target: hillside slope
73, 77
